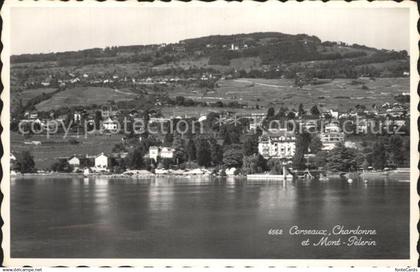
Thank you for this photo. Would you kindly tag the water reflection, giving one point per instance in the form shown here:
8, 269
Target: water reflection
200, 217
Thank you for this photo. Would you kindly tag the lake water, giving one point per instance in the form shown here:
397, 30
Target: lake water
202, 218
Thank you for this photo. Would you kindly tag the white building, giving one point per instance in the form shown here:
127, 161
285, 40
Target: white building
158, 120
101, 163
154, 152
330, 140
332, 127
74, 161
161, 152
167, 152
109, 124
256, 120
363, 125
279, 145
202, 118
334, 114
309, 125
331, 136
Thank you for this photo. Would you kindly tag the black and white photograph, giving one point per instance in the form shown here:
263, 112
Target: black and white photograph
198, 132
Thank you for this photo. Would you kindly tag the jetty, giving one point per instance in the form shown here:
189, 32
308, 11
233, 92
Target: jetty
281, 177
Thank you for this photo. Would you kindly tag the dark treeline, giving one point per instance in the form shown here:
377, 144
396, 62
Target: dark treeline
269, 46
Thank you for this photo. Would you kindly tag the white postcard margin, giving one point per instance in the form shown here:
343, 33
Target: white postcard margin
212, 263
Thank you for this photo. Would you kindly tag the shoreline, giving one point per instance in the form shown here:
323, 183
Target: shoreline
402, 175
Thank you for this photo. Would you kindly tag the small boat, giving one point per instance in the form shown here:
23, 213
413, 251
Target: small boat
349, 180
86, 172
323, 178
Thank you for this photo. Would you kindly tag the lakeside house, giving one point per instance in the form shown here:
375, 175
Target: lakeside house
279, 144
12, 161
101, 163
156, 152
74, 161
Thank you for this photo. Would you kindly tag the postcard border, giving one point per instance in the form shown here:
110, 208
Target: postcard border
214, 263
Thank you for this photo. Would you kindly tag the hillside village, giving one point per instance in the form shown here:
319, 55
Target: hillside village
146, 106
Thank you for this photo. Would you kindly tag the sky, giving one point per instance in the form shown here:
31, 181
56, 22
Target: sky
43, 30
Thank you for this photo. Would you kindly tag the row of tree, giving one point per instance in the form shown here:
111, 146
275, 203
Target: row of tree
393, 151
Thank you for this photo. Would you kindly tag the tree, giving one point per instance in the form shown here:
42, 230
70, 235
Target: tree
165, 163
119, 148
379, 155
216, 153
203, 152
365, 165
98, 119
302, 143
135, 158
169, 138
396, 151
342, 159
224, 133
25, 162
320, 160
232, 157
282, 113
275, 166
180, 155
299, 158
234, 136
191, 150
254, 163
250, 146
315, 110
270, 113
301, 110
117, 165
291, 115
315, 145
62, 166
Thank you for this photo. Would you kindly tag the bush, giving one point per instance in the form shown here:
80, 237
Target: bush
61, 166
74, 141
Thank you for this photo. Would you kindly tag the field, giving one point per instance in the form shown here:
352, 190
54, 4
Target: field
247, 64
200, 111
84, 96
50, 149
338, 94
52, 67
27, 95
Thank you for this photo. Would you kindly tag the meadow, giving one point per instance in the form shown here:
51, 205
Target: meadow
197, 111
27, 95
56, 147
340, 94
80, 96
